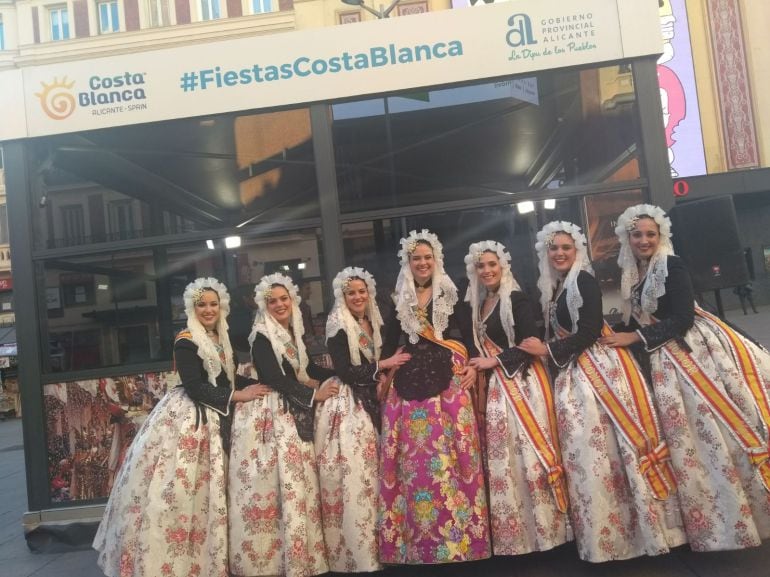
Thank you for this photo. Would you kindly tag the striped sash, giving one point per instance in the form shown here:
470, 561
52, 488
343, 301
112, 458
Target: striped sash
746, 363
753, 443
544, 440
640, 430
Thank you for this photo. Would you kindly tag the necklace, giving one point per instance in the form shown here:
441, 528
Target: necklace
428, 283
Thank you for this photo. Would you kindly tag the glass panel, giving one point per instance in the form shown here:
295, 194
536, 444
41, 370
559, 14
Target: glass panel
486, 140
125, 307
374, 244
164, 178
602, 211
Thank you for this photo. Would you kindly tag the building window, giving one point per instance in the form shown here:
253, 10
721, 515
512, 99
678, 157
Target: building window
121, 219
2, 37
261, 6
410, 8
108, 17
349, 17
73, 224
60, 23
157, 13
210, 9
3, 224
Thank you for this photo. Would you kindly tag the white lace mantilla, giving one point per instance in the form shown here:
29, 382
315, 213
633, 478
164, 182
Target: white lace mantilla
284, 346
405, 297
549, 277
207, 350
341, 318
654, 280
476, 290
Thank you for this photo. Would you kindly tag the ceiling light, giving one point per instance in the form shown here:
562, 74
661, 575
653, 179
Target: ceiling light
210, 244
549, 203
232, 242
526, 207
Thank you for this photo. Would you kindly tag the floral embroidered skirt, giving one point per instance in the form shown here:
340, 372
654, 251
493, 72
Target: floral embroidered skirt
346, 452
167, 513
522, 507
433, 505
724, 504
612, 510
274, 500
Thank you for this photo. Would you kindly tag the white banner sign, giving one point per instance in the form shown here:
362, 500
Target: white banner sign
327, 63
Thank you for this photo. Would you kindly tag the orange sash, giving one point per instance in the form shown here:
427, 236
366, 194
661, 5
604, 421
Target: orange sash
642, 434
722, 406
544, 440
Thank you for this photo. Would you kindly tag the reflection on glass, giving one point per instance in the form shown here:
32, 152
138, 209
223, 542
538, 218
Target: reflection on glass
374, 244
486, 140
173, 177
126, 307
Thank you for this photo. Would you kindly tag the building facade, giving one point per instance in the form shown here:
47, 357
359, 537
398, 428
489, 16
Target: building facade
110, 220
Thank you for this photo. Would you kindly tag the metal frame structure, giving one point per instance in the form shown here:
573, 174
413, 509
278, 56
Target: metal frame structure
28, 262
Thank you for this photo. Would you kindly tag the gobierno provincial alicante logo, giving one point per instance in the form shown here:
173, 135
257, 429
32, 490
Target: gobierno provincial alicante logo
530, 39
105, 95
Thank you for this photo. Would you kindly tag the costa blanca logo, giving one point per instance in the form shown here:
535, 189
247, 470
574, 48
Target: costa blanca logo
105, 95
520, 31
56, 100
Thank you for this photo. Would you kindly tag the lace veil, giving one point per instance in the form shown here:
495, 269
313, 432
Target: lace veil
476, 289
549, 277
405, 298
280, 339
207, 351
341, 318
657, 270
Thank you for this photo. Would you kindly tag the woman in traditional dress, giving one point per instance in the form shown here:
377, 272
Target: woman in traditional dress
527, 491
167, 514
433, 506
618, 475
275, 506
347, 425
710, 385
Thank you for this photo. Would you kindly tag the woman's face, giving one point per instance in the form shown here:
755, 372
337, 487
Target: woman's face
279, 305
421, 263
356, 297
207, 309
489, 270
562, 252
644, 238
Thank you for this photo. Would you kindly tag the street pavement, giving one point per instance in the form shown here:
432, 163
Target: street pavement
17, 561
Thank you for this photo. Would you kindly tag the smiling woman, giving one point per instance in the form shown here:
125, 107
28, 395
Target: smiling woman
274, 497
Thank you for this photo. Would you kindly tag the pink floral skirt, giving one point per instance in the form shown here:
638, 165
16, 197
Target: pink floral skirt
433, 504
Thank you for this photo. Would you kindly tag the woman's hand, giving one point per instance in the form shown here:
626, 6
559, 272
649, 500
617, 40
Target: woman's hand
312, 383
398, 359
467, 377
620, 339
329, 388
534, 346
483, 363
251, 393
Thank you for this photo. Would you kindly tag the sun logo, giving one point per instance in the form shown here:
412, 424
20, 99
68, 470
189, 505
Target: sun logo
56, 100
